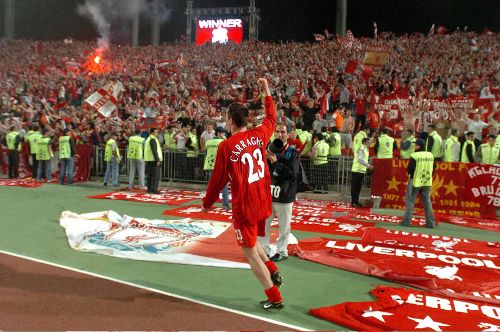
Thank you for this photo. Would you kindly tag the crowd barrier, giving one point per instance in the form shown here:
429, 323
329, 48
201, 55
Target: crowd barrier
181, 166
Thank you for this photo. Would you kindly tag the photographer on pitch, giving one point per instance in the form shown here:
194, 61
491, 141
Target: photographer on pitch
284, 163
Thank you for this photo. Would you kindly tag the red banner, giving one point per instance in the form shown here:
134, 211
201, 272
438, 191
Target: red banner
366, 216
169, 197
20, 183
391, 103
342, 206
301, 220
450, 274
481, 223
146, 123
468, 189
83, 162
445, 244
403, 309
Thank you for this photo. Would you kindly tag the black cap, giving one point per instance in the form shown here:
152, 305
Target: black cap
420, 142
276, 146
219, 130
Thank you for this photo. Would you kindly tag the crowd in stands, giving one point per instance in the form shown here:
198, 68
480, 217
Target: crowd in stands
185, 89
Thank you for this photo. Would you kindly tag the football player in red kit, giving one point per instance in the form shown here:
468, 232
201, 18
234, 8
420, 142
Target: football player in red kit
241, 160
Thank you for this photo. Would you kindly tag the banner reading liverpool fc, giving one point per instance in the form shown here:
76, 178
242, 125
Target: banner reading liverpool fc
460, 274
469, 189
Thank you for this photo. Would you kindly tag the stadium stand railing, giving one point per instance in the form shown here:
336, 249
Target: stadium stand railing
182, 166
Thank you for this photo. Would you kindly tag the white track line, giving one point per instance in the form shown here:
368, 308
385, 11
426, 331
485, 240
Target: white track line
156, 291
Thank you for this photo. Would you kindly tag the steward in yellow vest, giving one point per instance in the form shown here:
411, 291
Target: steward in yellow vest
335, 142
33, 138
153, 156
319, 158
319, 152
452, 148
420, 169
43, 155
66, 156
112, 159
13, 141
135, 156
468, 149
358, 170
135, 149
305, 138
489, 152
211, 146
385, 145
408, 145
192, 144
358, 140
169, 138
433, 143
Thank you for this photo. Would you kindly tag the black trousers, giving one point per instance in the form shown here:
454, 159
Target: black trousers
13, 157
320, 176
356, 184
34, 165
153, 176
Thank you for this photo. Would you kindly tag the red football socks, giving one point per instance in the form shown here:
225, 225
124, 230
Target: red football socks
273, 294
271, 267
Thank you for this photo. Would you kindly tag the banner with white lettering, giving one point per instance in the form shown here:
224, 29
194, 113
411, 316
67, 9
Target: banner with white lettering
221, 31
300, 221
450, 274
344, 206
444, 244
490, 224
185, 241
367, 216
468, 189
404, 309
166, 196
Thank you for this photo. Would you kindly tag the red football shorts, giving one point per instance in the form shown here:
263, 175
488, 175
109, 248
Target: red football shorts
246, 233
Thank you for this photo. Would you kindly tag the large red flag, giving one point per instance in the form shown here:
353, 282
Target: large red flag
403, 309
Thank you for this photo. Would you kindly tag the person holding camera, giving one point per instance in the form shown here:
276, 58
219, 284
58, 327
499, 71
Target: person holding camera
284, 163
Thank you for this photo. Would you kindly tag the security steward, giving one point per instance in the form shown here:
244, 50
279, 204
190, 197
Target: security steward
385, 145
319, 158
33, 136
489, 151
433, 143
408, 145
420, 169
13, 140
359, 166
468, 149
153, 157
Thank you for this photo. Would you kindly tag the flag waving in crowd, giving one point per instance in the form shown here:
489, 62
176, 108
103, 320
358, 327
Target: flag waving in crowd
105, 99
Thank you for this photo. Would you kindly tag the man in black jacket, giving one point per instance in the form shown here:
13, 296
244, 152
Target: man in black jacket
284, 164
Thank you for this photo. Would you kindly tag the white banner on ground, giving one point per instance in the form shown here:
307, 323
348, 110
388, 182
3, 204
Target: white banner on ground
184, 241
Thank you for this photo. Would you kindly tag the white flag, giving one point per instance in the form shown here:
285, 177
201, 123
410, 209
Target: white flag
104, 100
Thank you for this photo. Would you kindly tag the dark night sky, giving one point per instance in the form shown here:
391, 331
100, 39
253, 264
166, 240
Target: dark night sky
280, 19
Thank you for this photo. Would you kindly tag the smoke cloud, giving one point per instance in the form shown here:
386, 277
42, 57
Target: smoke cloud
105, 12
